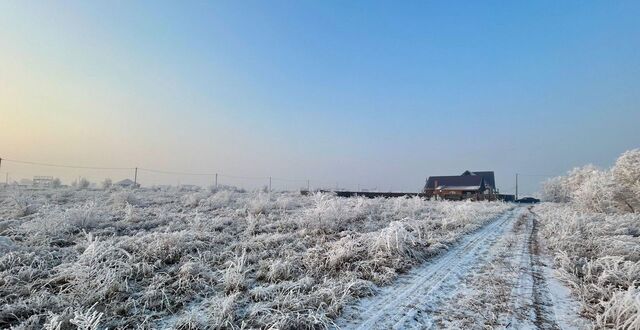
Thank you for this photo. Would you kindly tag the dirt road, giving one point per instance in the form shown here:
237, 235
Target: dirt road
494, 277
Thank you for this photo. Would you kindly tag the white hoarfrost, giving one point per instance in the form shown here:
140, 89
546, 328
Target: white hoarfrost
594, 237
220, 258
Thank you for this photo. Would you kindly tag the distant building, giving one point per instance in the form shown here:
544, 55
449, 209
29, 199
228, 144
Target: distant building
127, 183
42, 181
467, 185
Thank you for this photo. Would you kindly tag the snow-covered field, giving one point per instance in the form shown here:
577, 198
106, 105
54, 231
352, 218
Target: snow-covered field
166, 258
178, 258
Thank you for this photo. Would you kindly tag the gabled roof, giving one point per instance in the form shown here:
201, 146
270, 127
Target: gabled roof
464, 182
489, 178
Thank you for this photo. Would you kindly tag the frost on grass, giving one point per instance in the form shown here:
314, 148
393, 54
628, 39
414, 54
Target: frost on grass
217, 258
594, 235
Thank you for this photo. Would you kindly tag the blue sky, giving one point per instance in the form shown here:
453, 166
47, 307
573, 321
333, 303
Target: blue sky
376, 94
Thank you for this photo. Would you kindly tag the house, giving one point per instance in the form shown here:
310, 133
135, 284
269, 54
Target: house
467, 185
126, 183
489, 178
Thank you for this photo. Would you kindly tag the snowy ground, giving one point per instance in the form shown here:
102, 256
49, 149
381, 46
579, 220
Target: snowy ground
171, 258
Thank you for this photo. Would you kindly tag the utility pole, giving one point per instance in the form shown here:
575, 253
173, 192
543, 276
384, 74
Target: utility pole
516, 186
135, 178
269, 184
308, 186
216, 180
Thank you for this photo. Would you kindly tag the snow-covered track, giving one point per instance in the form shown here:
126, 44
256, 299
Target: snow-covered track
399, 306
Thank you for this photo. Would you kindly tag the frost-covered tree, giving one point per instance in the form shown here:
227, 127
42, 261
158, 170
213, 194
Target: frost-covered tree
592, 190
56, 183
626, 173
562, 189
596, 193
556, 190
579, 175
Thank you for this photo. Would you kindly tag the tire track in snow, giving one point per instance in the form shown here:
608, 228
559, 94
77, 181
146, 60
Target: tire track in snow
532, 295
551, 309
400, 305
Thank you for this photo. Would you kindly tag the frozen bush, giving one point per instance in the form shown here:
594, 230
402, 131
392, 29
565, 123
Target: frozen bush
122, 198
395, 241
56, 183
84, 217
261, 204
106, 184
83, 183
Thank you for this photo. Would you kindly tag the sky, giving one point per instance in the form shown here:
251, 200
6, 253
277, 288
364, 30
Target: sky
358, 94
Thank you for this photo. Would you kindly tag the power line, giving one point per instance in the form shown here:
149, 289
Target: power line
174, 172
67, 166
160, 171
289, 180
244, 177
146, 170
207, 174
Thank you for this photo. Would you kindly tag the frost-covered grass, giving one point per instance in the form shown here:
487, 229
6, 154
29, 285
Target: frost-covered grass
598, 255
165, 258
594, 234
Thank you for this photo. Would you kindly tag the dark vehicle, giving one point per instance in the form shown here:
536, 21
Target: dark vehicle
528, 200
